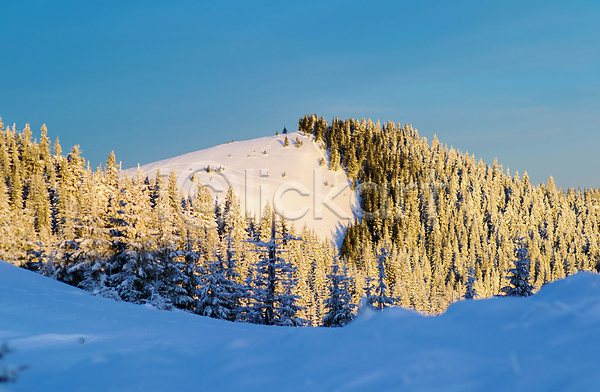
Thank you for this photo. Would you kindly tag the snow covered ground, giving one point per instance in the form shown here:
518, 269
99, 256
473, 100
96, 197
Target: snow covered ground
73, 341
263, 169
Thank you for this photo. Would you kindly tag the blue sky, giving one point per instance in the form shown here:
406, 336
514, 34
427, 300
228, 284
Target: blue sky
151, 80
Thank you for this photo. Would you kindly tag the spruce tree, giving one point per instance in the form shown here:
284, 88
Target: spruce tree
470, 292
134, 272
15, 180
80, 260
235, 235
39, 204
338, 305
368, 301
381, 300
334, 157
218, 296
6, 224
272, 301
519, 280
192, 272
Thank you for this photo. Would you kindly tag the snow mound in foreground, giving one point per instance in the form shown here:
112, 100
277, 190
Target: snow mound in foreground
73, 341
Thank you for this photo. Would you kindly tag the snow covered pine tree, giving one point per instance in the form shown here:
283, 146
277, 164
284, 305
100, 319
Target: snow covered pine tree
272, 301
519, 282
470, 291
380, 300
339, 302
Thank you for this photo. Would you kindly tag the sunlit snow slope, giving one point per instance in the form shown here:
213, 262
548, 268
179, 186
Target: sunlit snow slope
73, 341
262, 169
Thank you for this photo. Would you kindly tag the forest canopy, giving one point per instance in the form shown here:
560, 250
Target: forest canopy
439, 225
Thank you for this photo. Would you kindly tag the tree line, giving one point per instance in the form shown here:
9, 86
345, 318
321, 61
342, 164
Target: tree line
441, 211
446, 228
138, 239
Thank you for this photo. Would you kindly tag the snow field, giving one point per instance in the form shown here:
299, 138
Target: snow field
263, 169
73, 341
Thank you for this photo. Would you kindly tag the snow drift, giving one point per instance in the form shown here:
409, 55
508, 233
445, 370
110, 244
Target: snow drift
73, 341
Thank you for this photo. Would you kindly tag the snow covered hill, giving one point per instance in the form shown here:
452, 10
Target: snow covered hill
290, 178
73, 341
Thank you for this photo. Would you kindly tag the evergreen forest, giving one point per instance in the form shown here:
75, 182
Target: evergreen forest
437, 226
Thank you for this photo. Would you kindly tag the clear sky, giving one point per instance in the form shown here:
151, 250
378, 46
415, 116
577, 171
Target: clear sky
515, 80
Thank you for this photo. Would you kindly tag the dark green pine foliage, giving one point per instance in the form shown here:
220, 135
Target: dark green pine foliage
286, 313
219, 293
519, 284
369, 298
219, 218
380, 299
192, 271
338, 305
440, 208
38, 203
134, 271
271, 299
166, 231
470, 291
252, 229
320, 129
216, 293
15, 181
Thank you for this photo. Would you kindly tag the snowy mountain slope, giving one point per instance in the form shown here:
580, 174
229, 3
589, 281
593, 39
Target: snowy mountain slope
263, 169
73, 341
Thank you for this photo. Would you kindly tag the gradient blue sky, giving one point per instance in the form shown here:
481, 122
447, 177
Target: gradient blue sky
151, 80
